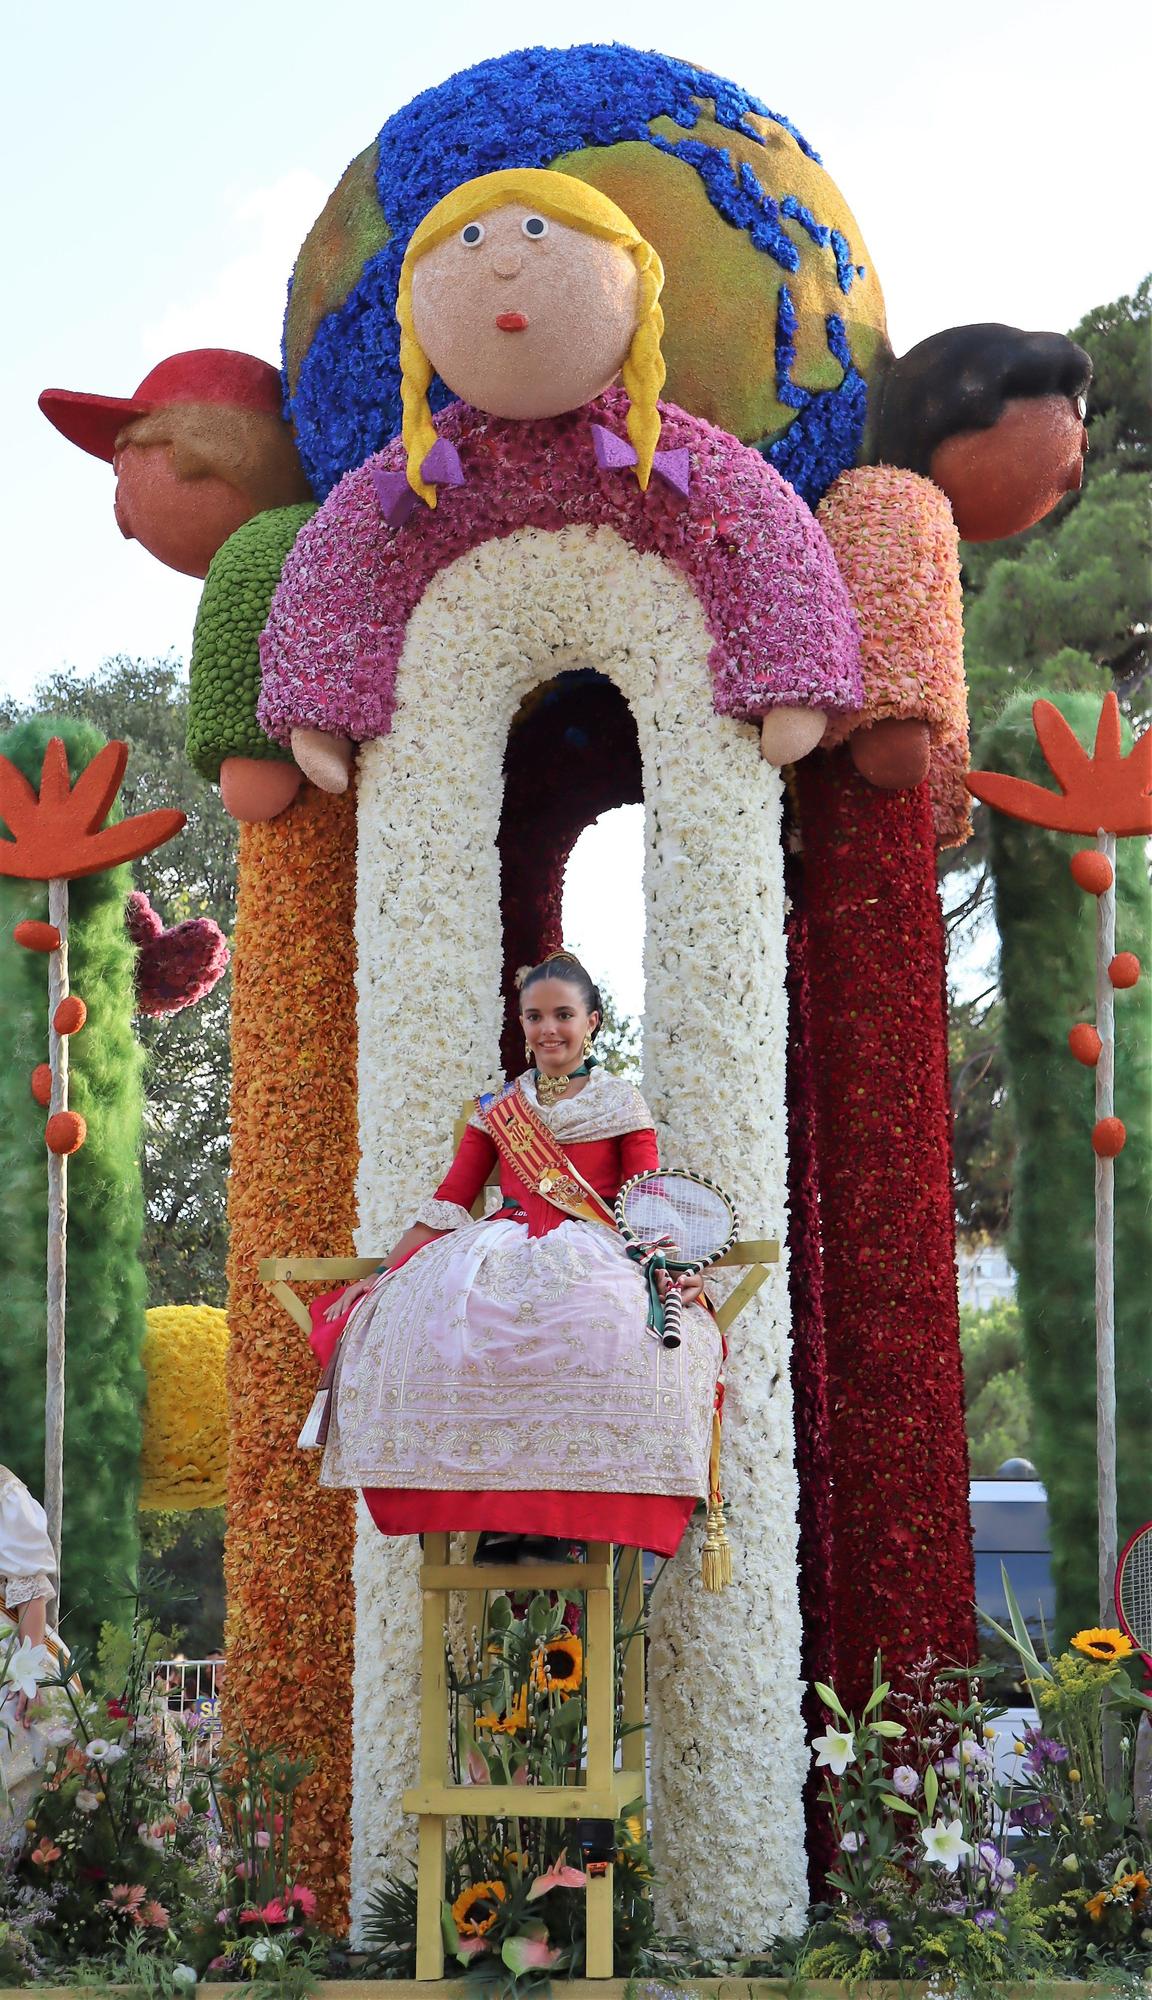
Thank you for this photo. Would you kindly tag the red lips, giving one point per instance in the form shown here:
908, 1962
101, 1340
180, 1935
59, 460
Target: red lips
511, 322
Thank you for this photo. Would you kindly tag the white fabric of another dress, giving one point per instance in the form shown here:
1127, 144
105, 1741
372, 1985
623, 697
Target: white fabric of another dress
500, 1362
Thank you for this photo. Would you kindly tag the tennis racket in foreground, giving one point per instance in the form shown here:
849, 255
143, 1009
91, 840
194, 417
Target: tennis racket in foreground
1133, 1591
678, 1222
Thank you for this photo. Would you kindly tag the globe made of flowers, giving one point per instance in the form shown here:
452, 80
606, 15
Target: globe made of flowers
774, 319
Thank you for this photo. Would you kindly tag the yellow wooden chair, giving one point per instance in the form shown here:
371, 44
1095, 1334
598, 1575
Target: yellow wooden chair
599, 1790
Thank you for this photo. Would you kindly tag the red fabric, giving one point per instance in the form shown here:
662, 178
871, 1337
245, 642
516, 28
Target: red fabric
634, 1520
604, 1163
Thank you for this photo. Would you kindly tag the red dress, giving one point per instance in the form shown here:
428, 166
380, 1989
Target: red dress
639, 1520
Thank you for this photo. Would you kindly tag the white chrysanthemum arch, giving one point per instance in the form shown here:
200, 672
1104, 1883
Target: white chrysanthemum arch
728, 1757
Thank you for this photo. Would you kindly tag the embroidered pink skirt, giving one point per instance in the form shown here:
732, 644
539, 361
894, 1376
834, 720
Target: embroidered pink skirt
502, 1381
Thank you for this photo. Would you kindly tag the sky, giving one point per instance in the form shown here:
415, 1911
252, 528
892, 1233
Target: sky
161, 166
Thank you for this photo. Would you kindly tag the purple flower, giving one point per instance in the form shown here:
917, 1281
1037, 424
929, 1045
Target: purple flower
984, 1918
852, 1842
879, 1933
1040, 1750
905, 1781
1037, 1814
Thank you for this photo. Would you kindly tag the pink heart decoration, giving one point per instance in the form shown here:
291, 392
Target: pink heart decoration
174, 968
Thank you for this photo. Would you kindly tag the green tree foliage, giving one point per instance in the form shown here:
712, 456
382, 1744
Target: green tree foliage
618, 1042
1065, 606
982, 1128
996, 1399
187, 1071
105, 1321
1047, 930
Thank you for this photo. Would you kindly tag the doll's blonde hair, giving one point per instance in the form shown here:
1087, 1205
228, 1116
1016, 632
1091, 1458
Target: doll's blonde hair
563, 199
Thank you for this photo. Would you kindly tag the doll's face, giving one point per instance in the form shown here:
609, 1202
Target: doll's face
522, 316
555, 1022
182, 522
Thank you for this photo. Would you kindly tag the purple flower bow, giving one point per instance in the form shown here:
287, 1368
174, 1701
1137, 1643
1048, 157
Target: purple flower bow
441, 467
614, 453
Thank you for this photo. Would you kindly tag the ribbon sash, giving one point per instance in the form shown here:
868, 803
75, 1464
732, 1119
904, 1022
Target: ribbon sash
525, 1144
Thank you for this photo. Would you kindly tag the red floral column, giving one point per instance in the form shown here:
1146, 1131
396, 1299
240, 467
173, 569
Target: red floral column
902, 1559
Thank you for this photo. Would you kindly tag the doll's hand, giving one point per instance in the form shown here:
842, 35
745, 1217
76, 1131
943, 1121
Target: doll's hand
325, 758
787, 734
893, 754
257, 788
348, 1298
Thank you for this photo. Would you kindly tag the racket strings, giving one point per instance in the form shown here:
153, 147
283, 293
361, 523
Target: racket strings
1134, 1593
694, 1221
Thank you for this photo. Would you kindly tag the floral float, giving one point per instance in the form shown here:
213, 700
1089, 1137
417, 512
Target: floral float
717, 183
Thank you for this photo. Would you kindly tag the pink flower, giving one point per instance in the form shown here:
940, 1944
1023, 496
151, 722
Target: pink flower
471, 1947
304, 1900
274, 1912
250, 1914
478, 1771
527, 1954
155, 1915
126, 1900
557, 1877
263, 1839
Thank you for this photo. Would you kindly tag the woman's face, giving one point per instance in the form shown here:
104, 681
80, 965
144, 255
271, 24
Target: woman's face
555, 1022
522, 316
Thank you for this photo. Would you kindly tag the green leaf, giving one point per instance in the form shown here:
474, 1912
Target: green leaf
539, 1615
831, 1700
894, 1804
499, 1614
448, 1930
931, 1790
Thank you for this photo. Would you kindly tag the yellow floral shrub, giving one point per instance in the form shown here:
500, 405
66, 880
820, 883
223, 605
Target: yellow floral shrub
184, 1457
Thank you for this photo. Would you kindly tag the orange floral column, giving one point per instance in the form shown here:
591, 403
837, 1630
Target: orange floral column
294, 1151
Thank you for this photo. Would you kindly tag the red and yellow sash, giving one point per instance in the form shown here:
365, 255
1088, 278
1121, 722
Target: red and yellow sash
525, 1143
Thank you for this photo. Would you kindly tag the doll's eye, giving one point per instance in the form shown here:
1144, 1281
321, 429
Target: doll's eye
534, 226
472, 233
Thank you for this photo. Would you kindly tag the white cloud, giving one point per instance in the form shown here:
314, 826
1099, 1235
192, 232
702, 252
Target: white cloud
242, 302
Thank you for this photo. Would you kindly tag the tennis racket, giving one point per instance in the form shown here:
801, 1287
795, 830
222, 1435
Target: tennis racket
1133, 1591
675, 1221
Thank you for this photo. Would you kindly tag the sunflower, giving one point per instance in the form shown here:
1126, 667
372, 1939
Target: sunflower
558, 1668
511, 1722
476, 1909
1103, 1643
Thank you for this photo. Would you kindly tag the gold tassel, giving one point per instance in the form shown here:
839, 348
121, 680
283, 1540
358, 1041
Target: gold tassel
716, 1558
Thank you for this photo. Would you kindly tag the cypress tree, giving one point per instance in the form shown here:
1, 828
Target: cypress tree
106, 1286
1047, 970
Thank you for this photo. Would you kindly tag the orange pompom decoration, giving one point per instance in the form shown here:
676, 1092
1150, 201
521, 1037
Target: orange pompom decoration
65, 1132
1124, 969
42, 1084
70, 1015
1109, 1136
1085, 1044
35, 936
1091, 870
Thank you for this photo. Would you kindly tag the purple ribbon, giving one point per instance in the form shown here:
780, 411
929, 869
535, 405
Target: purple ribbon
441, 467
614, 453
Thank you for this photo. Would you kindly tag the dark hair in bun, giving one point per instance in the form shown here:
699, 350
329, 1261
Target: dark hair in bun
566, 966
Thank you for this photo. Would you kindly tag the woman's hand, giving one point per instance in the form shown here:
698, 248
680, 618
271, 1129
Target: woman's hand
348, 1298
689, 1285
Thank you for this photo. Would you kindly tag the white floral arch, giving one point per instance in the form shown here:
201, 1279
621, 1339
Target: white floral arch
727, 1749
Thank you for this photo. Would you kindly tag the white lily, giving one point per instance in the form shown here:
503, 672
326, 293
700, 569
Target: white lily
945, 1844
836, 1750
25, 1667
96, 1749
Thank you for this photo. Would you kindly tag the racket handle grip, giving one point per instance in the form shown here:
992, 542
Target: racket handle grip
673, 1314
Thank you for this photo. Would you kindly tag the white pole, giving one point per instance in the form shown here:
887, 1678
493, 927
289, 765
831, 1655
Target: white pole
57, 1237
1105, 1245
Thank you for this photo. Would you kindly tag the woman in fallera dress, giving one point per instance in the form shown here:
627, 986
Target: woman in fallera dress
499, 1375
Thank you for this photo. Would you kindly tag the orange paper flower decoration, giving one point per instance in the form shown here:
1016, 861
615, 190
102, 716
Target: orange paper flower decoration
61, 832
1107, 792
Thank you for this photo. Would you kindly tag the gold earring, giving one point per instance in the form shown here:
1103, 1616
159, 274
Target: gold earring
529, 1057
588, 1045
